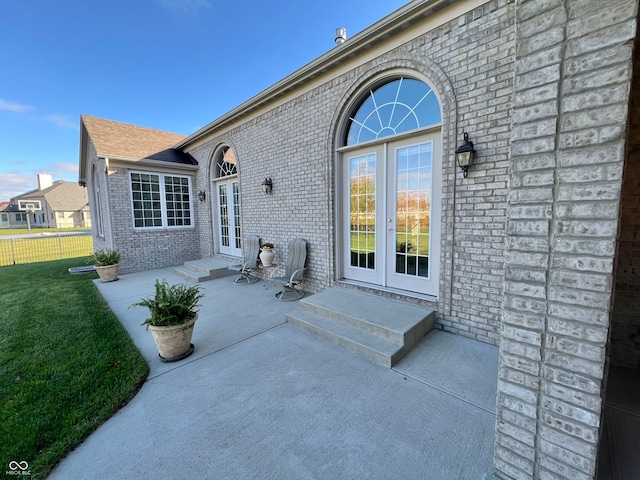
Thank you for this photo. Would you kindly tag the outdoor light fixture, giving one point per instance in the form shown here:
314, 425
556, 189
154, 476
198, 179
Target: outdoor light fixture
267, 186
202, 195
465, 154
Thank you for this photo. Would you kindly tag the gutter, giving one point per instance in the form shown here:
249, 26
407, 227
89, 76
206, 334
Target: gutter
372, 35
148, 162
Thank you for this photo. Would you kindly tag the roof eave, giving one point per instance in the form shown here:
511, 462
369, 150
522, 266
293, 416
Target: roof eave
82, 167
149, 162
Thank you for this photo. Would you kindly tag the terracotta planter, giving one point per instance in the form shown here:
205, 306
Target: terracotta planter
266, 257
108, 273
174, 342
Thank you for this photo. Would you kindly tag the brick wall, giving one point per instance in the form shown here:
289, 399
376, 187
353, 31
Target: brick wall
469, 62
625, 328
570, 111
146, 249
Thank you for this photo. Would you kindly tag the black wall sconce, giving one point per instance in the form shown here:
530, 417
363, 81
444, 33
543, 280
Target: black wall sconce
267, 186
465, 154
202, 196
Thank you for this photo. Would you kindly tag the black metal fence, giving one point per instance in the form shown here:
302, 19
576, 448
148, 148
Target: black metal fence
42, 247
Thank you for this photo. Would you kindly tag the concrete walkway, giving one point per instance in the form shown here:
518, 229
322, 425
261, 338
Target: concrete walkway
261, 399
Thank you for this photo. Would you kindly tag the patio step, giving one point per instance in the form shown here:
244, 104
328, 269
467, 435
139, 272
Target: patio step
378, 328
205, 269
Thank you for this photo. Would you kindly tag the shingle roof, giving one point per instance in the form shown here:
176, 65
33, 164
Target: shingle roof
66, 196
122, 140
61, 196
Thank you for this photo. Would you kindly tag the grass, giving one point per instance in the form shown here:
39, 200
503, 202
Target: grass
18, 231
365, 242
42, 249
66, 362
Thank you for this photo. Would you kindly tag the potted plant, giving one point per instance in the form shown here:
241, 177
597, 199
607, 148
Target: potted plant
107, 263
174, 313
267, 254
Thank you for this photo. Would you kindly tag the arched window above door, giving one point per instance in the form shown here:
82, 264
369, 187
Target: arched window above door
226, 163
399, 106
225, 192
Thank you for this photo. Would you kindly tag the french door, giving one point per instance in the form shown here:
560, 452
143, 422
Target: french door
228, 216
391, 224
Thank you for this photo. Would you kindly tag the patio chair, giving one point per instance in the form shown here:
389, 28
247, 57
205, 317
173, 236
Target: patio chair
250, 262
294, 269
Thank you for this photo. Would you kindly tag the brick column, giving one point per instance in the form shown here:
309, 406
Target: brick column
573, 70
625, 327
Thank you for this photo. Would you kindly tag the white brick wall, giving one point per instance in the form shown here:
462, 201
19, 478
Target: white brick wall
570, 112
145, 249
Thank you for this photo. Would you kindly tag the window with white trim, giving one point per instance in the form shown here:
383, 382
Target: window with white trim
160, 201
97, 203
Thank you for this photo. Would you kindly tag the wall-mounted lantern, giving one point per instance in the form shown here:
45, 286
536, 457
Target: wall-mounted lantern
465, 154
267, 186
202, 195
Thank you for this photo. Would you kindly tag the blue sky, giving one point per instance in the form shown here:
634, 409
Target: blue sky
172, 65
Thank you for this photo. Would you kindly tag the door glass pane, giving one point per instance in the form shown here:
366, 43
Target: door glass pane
223, 201
399, 106
236, 215
413, 209
362, 210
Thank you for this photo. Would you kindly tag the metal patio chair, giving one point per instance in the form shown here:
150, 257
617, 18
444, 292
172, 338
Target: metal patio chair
294, 270
250, 262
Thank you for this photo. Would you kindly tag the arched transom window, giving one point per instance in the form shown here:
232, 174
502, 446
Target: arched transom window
226, 165
395, 107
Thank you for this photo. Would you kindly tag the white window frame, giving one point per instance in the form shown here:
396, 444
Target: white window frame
163, 201
97, 202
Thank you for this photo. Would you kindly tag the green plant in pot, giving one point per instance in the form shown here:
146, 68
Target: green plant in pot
106, 261
174, 312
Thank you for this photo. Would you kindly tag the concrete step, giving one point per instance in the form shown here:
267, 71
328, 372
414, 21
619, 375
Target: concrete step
191, 275
206, 269
373, 347
378, 328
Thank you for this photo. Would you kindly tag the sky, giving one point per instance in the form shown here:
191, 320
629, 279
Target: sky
173, 65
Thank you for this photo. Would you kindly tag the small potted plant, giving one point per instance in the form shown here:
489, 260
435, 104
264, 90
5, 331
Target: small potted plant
107, 264
174, 313
267, 254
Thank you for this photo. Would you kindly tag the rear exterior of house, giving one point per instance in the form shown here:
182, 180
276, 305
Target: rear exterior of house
534, 251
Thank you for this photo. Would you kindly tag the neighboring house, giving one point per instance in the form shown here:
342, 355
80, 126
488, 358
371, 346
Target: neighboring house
534, 251
63, 205
4, 215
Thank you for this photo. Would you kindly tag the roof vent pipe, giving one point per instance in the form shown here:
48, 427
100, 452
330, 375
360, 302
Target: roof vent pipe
341, 35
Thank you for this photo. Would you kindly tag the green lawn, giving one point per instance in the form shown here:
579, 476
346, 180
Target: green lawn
42, 249
17, 231
365, 242
66, 363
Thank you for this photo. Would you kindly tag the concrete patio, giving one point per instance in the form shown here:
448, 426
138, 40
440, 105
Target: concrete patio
261, 399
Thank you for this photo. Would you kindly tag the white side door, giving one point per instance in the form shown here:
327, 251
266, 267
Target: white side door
228, 216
